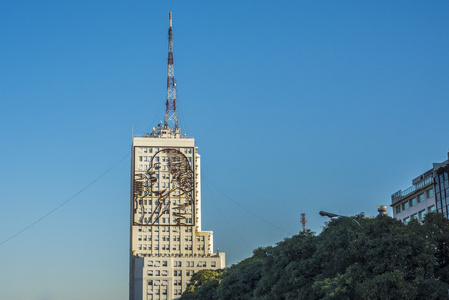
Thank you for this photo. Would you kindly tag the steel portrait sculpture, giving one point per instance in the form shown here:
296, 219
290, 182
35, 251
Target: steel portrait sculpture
163, 195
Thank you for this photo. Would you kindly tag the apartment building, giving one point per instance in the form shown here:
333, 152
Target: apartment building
429, 192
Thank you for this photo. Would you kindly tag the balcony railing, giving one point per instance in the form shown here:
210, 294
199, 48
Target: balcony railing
413, 188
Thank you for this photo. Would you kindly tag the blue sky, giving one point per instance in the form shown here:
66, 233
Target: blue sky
296, 106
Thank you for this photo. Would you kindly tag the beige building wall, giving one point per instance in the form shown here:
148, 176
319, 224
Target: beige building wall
167, 245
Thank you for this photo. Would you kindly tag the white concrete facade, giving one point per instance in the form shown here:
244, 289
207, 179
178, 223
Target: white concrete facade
416, 201
167, 245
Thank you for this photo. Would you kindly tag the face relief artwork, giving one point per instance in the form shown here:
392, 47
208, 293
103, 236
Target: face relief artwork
163, 194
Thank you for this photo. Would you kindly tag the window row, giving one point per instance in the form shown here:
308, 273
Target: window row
412, 202
163, 228
150, 150
157, 282
157, 273
419, 215
157, 292
157, 263
164, 238
159, 159
146, 193
192, 264
166, 220
163, 247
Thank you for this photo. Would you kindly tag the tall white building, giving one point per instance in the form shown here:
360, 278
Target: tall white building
167, 245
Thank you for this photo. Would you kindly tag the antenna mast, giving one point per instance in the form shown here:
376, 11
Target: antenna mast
171, 120
303, 222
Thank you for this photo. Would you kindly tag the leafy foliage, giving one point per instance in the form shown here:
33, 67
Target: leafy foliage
380, 259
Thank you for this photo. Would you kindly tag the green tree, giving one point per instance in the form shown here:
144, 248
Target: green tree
241, 279
436, 229
289, 271
380, 259
203, 285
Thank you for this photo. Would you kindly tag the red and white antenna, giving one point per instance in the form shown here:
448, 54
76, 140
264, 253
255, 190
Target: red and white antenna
171, 120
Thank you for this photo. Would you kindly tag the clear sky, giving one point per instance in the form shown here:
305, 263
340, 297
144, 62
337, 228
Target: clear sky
296, 106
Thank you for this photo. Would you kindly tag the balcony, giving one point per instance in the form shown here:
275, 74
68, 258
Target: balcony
423, 183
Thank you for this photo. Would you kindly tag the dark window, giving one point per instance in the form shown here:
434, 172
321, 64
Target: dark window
421, 198
405, 205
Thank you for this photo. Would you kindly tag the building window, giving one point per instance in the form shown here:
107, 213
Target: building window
213, 264
406, 220
414, 217
398, 209
432, 208
430, 193
413, 202
421, 198
421, 215
405, 205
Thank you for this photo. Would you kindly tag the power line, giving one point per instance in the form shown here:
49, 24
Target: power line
65, 202
247, 210
229, 224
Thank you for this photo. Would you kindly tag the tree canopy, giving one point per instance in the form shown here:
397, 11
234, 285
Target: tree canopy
380, 259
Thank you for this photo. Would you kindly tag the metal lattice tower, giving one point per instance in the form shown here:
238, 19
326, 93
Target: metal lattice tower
171, 119
303, 222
